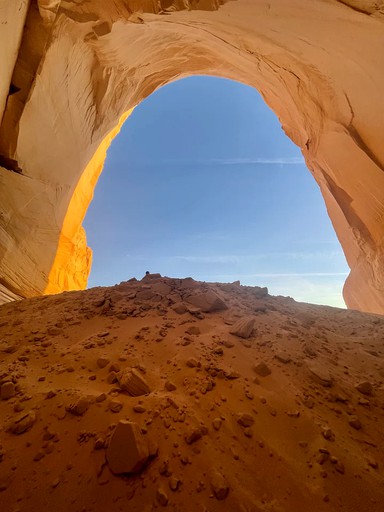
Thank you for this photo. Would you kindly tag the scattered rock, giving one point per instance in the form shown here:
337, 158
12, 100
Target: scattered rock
127, 451
23, 423
193, 363
153, 448
283, 357
139, 408
354, 422
55, 483
174, 483
293, 414
322, 457
133, 383
232, 375
162, 497
170, 386
208, 302
216, 423
179, 308
320, 374
245, 420
99, 443
79, 407
328, 434
243, 328
102, 362
196, 312
365, 388
193, 435
115, 405
193, 330
164, 468
373, 463
219, 485
7, 390
112, 378
262, 369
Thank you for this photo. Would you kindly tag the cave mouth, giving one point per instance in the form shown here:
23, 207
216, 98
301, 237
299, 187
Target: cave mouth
203, 182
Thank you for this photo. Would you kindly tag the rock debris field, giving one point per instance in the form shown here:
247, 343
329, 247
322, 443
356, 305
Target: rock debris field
174, 394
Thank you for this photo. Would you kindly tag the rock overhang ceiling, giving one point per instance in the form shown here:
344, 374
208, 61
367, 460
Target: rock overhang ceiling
74, 70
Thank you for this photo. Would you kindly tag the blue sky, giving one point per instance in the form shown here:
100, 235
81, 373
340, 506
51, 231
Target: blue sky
203, 182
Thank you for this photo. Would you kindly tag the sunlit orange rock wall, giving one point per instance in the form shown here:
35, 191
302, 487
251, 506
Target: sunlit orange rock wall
72, 71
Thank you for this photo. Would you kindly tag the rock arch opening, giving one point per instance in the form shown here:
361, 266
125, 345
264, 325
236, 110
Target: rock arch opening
202, 181
78, 69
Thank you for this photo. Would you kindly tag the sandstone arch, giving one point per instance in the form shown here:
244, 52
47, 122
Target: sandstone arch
74, 70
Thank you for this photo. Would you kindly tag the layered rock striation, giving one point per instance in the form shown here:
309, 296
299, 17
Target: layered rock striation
73, 71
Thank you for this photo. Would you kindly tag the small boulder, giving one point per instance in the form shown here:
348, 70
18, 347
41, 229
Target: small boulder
208, 302
133, 383
79, 407
365, 388
102, 362
283, 357
328, 434
140, 409
231, 374
193, 435
170, 386
219, 485
193, 363
112, 378
23, 423
193, 330
243, 328
174, 483
127, 451
179, 308
7, 390
262, 369
354, 422
115, 405
216, 423
320, 374
162, 497
245, 420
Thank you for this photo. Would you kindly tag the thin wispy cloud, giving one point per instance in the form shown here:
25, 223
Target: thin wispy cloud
295, 160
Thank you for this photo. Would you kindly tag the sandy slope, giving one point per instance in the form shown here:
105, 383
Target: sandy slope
227, 437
